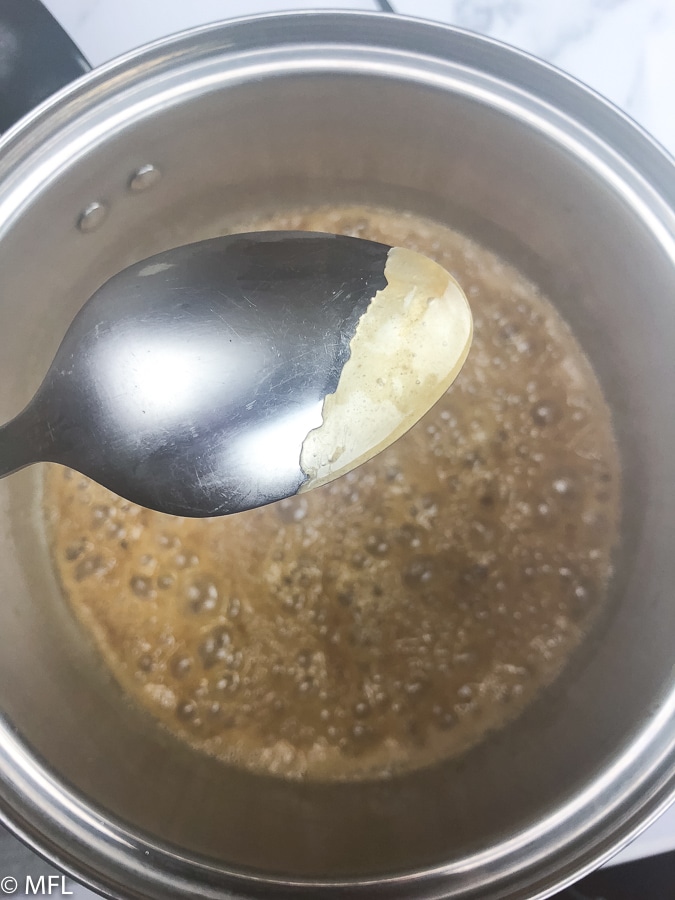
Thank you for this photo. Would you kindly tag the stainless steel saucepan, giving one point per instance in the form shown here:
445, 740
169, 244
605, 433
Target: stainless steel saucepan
154, 150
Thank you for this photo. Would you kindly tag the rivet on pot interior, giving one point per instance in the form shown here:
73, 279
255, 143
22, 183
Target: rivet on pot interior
92, 216
144, 177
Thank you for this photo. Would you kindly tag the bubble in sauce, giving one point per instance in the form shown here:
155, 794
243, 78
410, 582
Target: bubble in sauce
142, 586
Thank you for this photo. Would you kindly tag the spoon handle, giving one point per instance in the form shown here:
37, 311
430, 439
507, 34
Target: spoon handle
19, 444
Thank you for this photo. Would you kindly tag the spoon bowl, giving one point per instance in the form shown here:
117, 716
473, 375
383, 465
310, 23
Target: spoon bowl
190, 382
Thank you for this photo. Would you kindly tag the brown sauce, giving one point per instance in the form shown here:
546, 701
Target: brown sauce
393, 617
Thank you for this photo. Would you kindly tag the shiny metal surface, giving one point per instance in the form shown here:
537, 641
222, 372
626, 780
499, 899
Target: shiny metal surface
145, 177
92, 216
189, 381
350, 107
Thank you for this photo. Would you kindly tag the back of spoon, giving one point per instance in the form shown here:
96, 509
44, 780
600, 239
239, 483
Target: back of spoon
190, 382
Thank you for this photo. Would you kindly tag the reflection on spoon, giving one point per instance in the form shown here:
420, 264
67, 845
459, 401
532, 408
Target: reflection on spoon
227, 374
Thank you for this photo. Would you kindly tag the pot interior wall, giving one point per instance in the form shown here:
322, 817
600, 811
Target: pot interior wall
352, 137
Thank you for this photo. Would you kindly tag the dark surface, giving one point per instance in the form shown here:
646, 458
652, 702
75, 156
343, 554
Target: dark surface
37, 58
649, 879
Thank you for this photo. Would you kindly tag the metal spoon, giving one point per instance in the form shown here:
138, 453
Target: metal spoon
230, 373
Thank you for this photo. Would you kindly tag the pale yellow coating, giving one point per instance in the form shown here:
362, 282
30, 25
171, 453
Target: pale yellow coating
408, 348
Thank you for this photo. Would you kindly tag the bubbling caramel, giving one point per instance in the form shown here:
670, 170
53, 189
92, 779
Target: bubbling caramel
394, 617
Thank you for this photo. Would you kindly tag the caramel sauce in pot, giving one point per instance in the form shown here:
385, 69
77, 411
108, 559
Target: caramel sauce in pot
394, 617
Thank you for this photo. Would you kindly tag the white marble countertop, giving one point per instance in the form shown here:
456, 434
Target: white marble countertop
625, 49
